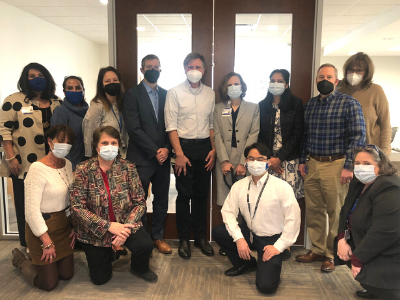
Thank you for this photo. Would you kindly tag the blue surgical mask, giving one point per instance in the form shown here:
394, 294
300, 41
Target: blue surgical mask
108, 152
276, 88
74, 98
365, 173
38, 84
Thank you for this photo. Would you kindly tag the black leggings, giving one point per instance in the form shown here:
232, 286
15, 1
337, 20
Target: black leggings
48, 275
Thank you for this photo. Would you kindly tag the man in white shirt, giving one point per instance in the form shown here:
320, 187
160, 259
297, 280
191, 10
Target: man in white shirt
271, 221
189, 112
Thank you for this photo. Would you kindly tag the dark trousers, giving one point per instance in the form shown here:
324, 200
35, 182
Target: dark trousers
100, 258
269, 272
159, 177
19, 200
385, 294
193, 188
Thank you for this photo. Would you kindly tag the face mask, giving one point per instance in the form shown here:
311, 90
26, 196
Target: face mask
38, 84
152, 75
194, 76
113, 88
257, 168
354, 78
74, 98
108, 152
61, 150
365, 173
234, 91
276, 88
325, 87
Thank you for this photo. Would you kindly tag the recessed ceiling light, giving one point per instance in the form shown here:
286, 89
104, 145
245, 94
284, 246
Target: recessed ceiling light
272, 27
388, 38
352, 52
104, 1
395, 48
140, 28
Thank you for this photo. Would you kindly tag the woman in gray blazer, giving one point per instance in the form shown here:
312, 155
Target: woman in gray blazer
236, 126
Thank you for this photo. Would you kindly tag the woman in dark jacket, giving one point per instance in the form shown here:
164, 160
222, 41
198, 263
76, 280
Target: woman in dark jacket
281, 129
369, 225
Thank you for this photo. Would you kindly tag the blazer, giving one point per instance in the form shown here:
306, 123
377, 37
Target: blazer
146, 134
292, 125
247, 127
375, 230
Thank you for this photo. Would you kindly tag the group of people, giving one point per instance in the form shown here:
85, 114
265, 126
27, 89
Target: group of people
125, 141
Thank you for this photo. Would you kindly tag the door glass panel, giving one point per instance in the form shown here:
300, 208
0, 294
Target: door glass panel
263, 43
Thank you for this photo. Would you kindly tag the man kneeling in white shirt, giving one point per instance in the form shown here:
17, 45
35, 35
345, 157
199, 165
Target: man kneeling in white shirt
271, 221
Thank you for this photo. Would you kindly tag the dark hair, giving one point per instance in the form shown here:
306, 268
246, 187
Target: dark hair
109, 130
66, 78
149, 57
192, 56
328, 65
24, 87
363, 61
223, 87
60, 132
386, 167
262, 149
287, 94
101, 94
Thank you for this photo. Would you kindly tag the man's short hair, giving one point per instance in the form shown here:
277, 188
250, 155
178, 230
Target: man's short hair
192, 56
262, 149
329, 66
149, 57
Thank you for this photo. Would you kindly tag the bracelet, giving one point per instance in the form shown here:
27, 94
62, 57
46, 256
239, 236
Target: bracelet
8, 159
48, 246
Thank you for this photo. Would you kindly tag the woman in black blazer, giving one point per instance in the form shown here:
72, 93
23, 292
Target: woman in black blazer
369, 226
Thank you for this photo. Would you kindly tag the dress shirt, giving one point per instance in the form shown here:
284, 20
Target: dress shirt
333, 126
190, 111
153, 95
278, 211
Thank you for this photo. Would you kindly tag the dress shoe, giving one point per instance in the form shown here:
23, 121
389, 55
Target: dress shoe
365, 294
122, 251
236, 271
162, 246
286, 254
222, 253
310, 257
184, 249
205, 247
18, 258
328, 265
148, 276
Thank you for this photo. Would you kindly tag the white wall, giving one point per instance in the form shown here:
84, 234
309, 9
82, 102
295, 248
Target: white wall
25, 38
387, 75
104, 59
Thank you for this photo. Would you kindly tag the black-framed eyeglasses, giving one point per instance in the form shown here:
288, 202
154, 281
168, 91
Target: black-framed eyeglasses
351, 71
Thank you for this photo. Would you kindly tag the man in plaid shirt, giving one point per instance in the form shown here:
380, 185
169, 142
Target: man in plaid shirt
334, 126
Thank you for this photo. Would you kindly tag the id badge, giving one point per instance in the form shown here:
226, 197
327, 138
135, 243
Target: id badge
226, 112
67, 212
27, 110
347, 234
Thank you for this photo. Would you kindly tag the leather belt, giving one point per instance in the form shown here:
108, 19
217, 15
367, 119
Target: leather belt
327, 158
194, 141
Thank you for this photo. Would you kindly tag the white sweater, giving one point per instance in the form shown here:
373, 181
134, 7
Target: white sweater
46, 191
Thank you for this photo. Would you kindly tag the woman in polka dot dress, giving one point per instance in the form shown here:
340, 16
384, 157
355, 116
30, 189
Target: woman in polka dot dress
24, 118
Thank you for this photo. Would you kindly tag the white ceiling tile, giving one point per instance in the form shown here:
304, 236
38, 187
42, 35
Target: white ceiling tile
103, 10
360, 10
76, 28
19, 3
70, 3
40, 11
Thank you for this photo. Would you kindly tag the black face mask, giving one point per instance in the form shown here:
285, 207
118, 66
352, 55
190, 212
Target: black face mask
325, 87
152, 75
113, 88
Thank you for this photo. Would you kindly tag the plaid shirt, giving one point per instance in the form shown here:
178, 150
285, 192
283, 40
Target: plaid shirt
89, 200
333, 126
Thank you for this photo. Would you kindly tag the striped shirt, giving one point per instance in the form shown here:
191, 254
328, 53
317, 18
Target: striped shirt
333, 126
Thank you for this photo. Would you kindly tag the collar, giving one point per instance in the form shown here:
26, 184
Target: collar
95, 166
329, 98
148, 88
261, 181
78, 110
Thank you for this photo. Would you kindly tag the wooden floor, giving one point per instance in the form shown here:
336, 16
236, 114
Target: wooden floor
201, 277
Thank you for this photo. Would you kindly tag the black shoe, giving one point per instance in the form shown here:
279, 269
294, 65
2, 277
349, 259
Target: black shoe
236, 271
205, 247
286, 254
184, 249
220, 252
122, 252
365, 294
148, 276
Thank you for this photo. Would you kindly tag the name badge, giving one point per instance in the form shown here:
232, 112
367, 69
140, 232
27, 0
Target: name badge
347, 234
226, 112
27, 110
67, 212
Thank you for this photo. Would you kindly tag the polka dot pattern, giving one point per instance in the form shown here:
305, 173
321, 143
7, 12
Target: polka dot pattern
32, 157
16, 125
21, 141
28, 122
39, 139
9, 124
7, 106
17, 106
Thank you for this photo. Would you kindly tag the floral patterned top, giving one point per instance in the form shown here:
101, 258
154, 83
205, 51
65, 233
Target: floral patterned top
89, 200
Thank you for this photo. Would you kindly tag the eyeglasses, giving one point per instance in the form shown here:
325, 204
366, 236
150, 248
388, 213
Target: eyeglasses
359, 71
257, 159
369, 147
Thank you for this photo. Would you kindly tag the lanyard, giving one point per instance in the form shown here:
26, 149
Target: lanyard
119, 121
351, 211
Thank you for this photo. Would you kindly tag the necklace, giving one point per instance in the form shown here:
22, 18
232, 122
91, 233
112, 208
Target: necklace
66, 174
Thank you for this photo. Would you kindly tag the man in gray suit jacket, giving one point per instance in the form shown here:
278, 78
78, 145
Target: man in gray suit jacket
149, 145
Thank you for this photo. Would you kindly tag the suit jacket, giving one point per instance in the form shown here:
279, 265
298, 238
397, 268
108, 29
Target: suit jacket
375, 229
247, 127
146, 134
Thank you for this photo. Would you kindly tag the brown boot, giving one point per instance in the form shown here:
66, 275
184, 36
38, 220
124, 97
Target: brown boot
28, 269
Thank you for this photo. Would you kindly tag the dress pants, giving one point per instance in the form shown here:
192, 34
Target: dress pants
385, 294
159, 177
269, 272
324, 194
100, 258
19, 202
194, 187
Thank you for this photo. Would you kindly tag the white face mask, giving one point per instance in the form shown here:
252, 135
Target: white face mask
108, 152
354, 78
257, 168
194, 76
276, 88
365, 173
234, 91
61, 150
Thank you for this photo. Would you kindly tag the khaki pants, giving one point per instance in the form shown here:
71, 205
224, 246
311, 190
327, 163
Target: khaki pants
324, 194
